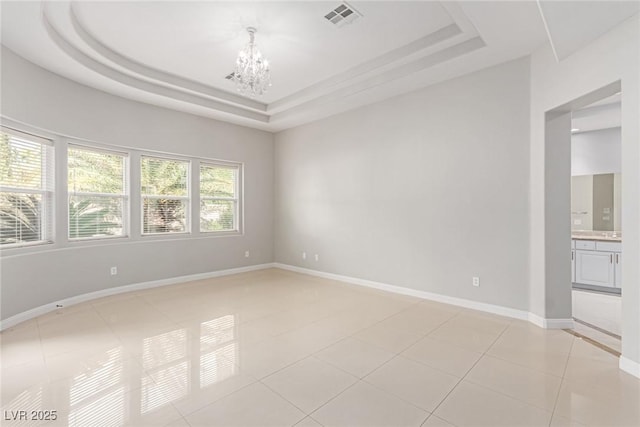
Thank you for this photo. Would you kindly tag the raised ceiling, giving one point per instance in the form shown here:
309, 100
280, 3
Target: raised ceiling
574, 24
176, 54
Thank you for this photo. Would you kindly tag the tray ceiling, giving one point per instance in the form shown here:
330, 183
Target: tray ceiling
177, 54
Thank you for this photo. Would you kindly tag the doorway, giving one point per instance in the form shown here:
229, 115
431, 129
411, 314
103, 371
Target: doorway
566, 226
596, 221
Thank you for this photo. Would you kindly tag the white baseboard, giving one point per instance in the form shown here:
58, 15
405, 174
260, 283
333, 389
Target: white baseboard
550, 323
625, 364
460, 302
44, 309
629, 366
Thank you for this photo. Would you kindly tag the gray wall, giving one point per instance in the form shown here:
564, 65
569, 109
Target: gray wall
424, 190
38, 276
557, 182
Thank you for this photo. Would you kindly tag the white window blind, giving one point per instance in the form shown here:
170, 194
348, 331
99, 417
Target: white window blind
98, 199
26, 188
219, 201
165, 195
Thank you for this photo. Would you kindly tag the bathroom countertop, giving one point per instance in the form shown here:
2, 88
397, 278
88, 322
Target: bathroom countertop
605, 236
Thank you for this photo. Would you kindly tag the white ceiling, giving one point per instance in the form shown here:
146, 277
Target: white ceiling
176, 54
604, 114
573, 24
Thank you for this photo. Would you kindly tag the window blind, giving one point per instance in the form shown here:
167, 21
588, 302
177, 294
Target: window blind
26, 188
165, 195
97, 190
218, 197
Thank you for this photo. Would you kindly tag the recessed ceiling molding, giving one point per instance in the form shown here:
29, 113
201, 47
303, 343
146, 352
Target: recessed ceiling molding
144, 85
315, 90
155, 74
418, 65
129, 63
546, 28
458, 16
387, 67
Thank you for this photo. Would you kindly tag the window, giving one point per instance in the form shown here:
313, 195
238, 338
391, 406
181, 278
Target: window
218, 198
97, 193
26, 193
165, 195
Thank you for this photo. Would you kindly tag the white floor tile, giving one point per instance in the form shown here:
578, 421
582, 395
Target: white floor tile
280, 348
254, 405
365, 405
309, 383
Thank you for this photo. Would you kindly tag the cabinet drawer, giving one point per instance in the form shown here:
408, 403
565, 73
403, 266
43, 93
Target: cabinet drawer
589, 245
609, 246
573, 244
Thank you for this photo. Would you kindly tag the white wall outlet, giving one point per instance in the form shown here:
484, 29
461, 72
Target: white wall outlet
476, 281
304, 255
317, 257
246, 254
114, 271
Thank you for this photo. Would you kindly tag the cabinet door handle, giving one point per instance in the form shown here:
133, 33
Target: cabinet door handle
572, 255
617, 260
611, 258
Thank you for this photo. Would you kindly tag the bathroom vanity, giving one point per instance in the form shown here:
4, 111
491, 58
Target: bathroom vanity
596, 261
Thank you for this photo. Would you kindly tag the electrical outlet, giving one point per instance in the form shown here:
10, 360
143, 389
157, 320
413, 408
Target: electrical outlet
114, 271
304, 255
246, 254
317, 257
476, 281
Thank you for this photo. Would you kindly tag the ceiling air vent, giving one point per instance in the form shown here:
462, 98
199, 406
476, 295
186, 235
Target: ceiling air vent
342, 15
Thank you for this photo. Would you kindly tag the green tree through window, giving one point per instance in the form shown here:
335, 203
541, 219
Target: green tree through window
218, 198
25, 195
165, 195
97, 193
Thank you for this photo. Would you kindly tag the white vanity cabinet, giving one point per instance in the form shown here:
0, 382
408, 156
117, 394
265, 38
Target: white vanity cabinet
598, 263
595, 268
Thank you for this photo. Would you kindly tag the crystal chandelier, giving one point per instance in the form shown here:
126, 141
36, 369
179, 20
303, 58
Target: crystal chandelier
251, 74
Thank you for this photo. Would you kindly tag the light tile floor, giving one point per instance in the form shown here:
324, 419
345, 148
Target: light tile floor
275, 348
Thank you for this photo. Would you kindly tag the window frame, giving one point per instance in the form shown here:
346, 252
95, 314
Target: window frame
125, 195
188, 198
237, 199
47, 189
57, 220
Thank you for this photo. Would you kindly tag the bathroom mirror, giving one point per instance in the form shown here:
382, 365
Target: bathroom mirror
595, 202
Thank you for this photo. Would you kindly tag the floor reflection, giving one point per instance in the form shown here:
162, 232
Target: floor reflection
113, 389
97, 395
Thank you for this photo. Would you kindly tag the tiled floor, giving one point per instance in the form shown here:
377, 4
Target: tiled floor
598, 309
276, 348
